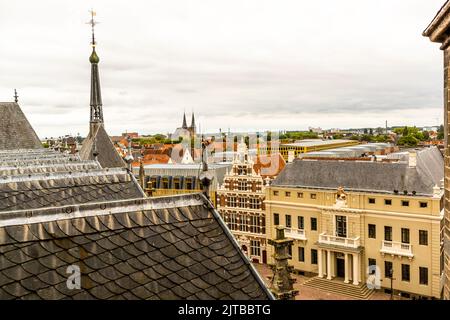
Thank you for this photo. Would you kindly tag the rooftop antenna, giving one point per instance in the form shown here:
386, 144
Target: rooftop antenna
16, 97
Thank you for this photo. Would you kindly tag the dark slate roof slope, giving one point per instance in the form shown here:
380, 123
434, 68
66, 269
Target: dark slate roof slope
158, 248
15, 130
367, 176
108, 157
56, 167
39, 190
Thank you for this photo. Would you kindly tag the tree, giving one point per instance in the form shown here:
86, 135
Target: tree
407, 141
405, 131
381, 138
440, 131
365, 131
371, 131
366, 137
426, 136
419, 136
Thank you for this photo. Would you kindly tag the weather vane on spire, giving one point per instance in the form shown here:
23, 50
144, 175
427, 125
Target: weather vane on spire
92, 22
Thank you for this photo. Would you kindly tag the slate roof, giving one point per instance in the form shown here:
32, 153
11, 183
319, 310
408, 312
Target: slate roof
56, 167
156, 248
41, 190
367, 176
108, 157
15, 130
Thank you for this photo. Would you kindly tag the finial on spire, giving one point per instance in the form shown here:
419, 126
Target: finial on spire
96, 97
16, 97
92, 22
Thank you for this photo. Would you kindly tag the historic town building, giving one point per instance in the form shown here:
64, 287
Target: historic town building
439, 31
240, 201
61, 215
185, 131
345, 216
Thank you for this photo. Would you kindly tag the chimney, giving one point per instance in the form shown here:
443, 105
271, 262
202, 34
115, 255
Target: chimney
291, 156
412, 159
436, 191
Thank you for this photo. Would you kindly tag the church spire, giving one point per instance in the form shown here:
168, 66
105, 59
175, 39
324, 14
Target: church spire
96, 96
193, 121
184, 126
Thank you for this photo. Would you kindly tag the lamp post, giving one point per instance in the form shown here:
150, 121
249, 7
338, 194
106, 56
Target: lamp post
391, 276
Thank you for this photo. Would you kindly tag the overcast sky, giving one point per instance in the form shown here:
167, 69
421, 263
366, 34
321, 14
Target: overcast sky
243, 64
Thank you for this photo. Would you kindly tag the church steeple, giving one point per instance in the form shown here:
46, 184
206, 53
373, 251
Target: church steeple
184, 126
193, 121
96, 96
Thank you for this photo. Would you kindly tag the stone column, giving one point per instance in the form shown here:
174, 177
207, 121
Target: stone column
319, 262
355, 269
329, 264
346, 266
333, 264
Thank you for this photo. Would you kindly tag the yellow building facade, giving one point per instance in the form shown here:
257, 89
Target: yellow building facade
340, 231
304, 146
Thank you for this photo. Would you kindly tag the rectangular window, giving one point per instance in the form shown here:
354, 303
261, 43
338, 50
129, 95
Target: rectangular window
255, 203
423, 237
313, 256
242, 185
387, 202
288, 221
255, 248
276, 219
387, 233
423, 204
387, 269
301, 222
371, 200
299, 194
290, 252
405, 203
275, 193
313, 196
423, 275
301, 254
372, 231
405, 272
405, 235
287, 194
314, 224
372, 262
242, 202
341, 226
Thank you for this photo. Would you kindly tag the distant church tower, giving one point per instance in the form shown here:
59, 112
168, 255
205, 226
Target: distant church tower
192, 129
97, 145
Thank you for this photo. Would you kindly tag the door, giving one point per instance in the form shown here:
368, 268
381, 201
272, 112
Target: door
340, 268
264, 256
